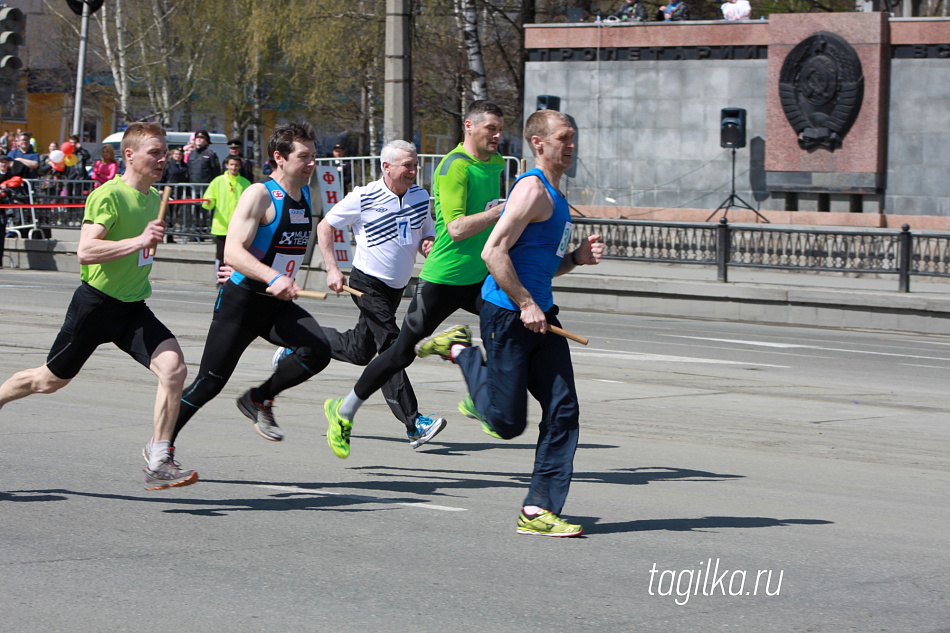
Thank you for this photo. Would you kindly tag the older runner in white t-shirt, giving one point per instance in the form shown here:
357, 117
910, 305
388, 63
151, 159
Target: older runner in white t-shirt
391, 222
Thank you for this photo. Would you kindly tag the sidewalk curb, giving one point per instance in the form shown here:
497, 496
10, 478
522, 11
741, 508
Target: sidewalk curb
804, 300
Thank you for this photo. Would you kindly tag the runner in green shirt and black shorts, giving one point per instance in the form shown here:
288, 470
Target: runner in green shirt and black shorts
120, 227
466, 189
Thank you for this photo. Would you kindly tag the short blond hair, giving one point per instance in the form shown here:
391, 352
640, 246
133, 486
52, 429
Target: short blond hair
540, 123
137, 132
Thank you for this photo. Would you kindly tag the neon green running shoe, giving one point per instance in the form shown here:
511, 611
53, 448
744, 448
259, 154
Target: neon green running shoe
546, 523
467, 408
441, 344
338, 432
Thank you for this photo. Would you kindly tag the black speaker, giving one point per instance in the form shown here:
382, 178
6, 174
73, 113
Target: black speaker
549, 102
732, 127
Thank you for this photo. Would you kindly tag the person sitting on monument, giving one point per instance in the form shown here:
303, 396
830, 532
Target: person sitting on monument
736, 10
675, 11
633, 10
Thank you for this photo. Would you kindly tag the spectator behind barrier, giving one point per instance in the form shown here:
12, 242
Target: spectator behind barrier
176, 170
106, 168
25, 161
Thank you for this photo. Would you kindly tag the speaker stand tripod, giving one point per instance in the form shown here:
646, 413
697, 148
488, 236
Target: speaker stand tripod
734, 200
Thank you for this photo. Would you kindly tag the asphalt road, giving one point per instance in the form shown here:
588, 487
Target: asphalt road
731, 477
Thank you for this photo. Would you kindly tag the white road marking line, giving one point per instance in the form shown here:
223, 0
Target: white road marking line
663, 358
729, 340
818, 347
325, 493
616, 382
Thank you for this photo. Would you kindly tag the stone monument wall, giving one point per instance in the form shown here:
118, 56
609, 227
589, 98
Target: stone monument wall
646, 99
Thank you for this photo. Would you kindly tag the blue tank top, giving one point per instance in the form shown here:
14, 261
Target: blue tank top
281, 243
537, 253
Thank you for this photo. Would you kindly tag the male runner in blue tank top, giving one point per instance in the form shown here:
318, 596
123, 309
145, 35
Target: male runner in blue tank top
524, 253
266, 242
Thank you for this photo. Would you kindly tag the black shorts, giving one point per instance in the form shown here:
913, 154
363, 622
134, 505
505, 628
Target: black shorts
94, 318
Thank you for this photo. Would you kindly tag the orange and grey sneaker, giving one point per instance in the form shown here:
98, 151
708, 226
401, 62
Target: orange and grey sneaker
168, 474
546, 523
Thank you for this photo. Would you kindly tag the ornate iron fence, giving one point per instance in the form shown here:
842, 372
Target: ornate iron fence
878, 251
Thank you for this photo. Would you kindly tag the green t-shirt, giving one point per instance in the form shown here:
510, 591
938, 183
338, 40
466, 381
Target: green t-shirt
125, 213
462, 185
223, 194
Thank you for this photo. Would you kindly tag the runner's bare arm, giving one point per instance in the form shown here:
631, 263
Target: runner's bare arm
528, 202
95, 249
468, 225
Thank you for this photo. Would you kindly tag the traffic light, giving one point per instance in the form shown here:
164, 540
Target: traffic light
11, 25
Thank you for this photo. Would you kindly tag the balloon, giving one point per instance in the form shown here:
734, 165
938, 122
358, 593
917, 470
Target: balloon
68, 148
70, 160
56, 156
59, 166
13, 181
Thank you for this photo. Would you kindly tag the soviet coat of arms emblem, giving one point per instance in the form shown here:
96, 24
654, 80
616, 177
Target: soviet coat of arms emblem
821, 87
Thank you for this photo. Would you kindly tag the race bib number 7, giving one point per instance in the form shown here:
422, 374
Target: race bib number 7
287, 264
404, 231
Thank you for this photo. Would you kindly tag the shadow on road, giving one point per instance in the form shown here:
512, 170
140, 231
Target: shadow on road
18, 495
702, 524
436, 447
413, 486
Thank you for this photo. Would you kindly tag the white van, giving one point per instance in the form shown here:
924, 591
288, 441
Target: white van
219, 145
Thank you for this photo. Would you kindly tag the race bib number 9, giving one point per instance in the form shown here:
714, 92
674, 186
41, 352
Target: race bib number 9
287, 264
565, 239
146, 258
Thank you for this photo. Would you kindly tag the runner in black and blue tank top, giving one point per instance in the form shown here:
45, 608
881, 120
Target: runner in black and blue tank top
266, 242
282, 242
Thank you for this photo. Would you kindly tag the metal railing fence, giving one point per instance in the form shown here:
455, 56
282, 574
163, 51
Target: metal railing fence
877, 251
186, 221
366, 169
189, 222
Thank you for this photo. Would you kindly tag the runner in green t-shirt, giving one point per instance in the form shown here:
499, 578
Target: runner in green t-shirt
466, 182
223, 194
120, 226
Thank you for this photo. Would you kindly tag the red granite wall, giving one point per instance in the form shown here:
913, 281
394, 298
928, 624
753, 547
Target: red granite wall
864, 149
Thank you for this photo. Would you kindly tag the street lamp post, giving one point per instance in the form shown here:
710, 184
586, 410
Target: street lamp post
81, 70
85, 8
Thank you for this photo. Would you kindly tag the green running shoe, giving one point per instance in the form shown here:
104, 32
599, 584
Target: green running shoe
546, 523
467, 407
338, 432
441, 344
